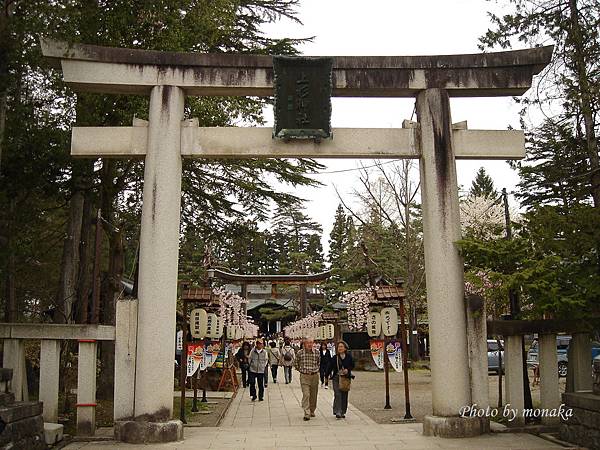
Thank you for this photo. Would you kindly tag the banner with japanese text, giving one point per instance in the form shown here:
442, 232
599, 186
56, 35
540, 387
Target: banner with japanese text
394, 352
195, 357
377, 352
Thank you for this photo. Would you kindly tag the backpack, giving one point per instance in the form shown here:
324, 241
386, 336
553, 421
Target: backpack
287, 357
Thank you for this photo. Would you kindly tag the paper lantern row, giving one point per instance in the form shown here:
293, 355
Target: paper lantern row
386, 321
321, 333
235, 333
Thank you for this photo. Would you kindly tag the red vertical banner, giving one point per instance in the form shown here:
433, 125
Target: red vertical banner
377, 352
195, 357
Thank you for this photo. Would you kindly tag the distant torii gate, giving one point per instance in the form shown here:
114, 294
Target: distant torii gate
457, 379
300, 280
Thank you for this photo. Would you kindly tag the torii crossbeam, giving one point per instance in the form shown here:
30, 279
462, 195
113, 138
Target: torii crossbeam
458, 379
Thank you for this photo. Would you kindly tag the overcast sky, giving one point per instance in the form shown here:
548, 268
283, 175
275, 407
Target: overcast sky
395, 27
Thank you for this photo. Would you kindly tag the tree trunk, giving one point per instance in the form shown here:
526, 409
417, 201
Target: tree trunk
110, 295
585, 96
70, 261
111, 287
579, 61
84, 280
81, 185
10, 305
5, 42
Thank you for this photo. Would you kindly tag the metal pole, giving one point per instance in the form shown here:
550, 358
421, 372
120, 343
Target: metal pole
386, 370
407, 414
499, 373
96, 284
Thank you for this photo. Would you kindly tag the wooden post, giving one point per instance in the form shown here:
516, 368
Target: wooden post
195, 386
386, 371
403, 338
183, 366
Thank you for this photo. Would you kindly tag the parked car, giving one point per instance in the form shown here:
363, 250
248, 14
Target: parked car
562, 347
494, 352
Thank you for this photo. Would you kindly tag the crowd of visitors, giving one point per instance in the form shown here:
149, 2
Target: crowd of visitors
314, 363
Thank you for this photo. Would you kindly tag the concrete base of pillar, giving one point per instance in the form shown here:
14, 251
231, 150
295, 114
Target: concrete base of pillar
139, 432
455, 427
53, 433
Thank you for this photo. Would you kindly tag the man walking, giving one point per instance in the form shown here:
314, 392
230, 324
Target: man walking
307, 363
258, 360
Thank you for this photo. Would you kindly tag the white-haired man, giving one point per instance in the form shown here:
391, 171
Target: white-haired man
307, 362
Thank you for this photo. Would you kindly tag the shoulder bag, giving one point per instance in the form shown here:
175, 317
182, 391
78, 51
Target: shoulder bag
344, 381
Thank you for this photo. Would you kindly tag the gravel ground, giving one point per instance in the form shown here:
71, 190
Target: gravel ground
368, 394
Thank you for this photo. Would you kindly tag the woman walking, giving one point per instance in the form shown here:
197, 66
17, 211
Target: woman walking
242, 356
341, 375
324, 365
288, 355
274, 359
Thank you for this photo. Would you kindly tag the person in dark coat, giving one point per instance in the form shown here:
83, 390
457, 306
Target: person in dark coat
341, 366
324, 365
242, 356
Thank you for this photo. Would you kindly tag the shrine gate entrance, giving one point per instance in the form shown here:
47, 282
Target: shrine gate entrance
457, 341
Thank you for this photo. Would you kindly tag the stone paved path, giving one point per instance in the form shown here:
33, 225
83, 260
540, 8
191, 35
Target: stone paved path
282, 408
277, 423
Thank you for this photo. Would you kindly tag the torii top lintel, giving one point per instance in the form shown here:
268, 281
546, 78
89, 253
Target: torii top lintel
313, 278
89, 68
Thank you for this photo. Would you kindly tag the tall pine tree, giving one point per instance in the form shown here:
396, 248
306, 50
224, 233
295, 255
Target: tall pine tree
483, 185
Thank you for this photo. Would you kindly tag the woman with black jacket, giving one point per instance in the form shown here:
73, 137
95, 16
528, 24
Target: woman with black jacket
242, 356
341, 366
324, 365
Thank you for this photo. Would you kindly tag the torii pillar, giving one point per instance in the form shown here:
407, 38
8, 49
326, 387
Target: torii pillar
449, 358
159, 253
457, 379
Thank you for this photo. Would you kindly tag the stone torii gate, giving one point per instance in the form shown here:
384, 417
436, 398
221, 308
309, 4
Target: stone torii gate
458, 379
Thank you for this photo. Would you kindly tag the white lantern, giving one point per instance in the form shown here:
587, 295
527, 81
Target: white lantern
218, 329
239, 332
320, 334
198, 323
231, 332
389, 321
329, 331
179, 341
374, 324
214, 327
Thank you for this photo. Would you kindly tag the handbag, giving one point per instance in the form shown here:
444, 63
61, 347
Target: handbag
344, 381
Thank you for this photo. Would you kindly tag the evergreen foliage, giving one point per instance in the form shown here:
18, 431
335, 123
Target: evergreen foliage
483, 185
